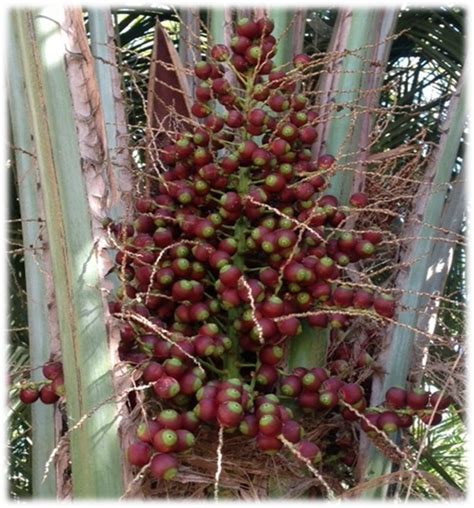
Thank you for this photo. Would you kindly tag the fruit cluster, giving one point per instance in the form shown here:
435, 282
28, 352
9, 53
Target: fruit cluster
49, 391
236, 247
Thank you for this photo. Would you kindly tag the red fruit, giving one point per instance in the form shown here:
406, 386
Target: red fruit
332, 384
364, 249
343, 296
359, 200
166, 387
278, 102
139, 454
257, 117
164, 466
280, 147
268, 444
247, 28
269, 425
363, 299
289, 326
203, 70
58, 386
351, 393
186, 440
435, 420
261, 158
388, 421
220, 52
439, 402
302, 60
221, 86
309, 451
47, 395
325, 161
374, 237
234, 119
319, 320
395, 398
246, 150
153, 371
288, 132
271, 355
308, 135
265, 26
147, 430
364, 360
203, 94
373, 419
218, 259
269, 277
310, 382
405, 421
253, 54
384, 305
165, 440
291, 386
29, 395
266, 375
309, 400
292, 431
52, 370
417, 398
325, 267
249, 426
206, 410
272, 307
169, 419
204, 345
229, 413
199, 110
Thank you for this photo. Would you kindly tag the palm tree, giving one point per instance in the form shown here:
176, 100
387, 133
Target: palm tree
389, 89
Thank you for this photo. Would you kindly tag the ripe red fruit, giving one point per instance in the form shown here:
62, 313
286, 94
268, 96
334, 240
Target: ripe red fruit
372, 418
190, 421
388, 421
229, 275
384, 305
249, 425
200, 110
229, 413
328, 399
395, 398
169, 419
272, 307
435, 420
29, 395
289, 326
292, 431
417, 398
153, 371
268, 276
374, 237
359, 200
165, 440
58, 386
220, 52
291, 385
206, 410
166, 387
203, 70
164, 466
147, 430
309, 451
52, 370
308, 135
247, 28
186, 440
351, 393
47, 395
246, 150
364, 249
343, 296
278, 102
325, 161
439, 402
268, 444
139, 454
302, 60
363, 299
269, 425
266, 375
271, 355
405, 421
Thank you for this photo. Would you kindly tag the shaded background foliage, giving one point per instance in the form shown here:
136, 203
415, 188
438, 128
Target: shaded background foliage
424, 63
